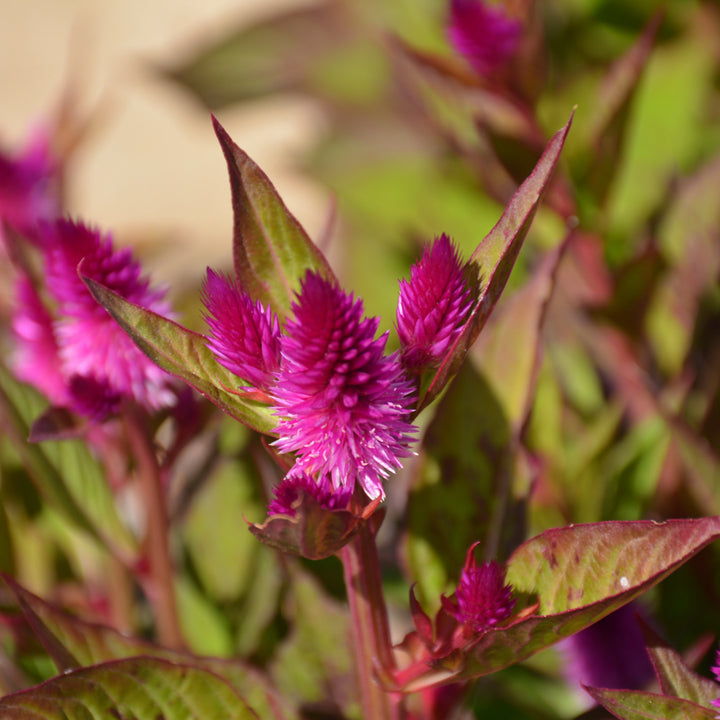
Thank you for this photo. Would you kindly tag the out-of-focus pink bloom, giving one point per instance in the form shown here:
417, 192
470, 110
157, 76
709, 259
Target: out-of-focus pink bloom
433, 306
483, 33
244, 336
36, 359
482, 599
343, 404
97, 361
29, 187
610, 654
288, 492
716, 673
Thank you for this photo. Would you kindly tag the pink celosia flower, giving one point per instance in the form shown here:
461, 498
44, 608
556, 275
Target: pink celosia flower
98, 361
28, 187
343, 404
288, 492
483, 33
482, 600
245, 337
433, 306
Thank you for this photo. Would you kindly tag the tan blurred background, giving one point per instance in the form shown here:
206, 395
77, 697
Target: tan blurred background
152, 166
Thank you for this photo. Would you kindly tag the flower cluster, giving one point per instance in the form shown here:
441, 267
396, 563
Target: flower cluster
343, 405
70, 347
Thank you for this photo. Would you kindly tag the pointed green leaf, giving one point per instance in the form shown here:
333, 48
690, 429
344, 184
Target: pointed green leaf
495, 256
271, 250
184, 354
66, 473
74, 643
138, 688
637, 705
676, 678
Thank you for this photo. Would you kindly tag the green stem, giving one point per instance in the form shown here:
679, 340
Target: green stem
371, 631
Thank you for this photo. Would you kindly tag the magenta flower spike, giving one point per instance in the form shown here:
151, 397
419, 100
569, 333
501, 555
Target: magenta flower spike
433, 306
245, 337
716, 673
288, 492
483, 33
343, 405
28, 187
482, 599
99, 361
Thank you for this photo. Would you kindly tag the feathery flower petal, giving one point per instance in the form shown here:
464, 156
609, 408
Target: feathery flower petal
245, 337
36, 356
343, 404
716, 673
91, 344
433, 306
482, 598
483, 34
287, 493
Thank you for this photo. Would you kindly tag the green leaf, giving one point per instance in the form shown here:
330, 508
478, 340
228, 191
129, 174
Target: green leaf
676, 678
138, 688
494, 258
271, 250
74, 643
66, 473
637, 705
580, 574
184, 354
273, 55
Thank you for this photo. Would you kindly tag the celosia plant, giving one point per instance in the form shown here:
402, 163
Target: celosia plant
413, 489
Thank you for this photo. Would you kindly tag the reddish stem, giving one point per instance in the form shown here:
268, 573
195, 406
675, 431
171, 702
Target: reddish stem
371, 631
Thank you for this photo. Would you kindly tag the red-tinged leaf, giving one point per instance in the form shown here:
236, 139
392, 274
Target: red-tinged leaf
675, 677
612, 110
73, 643
512, 374
184, 354
579, 574
138, 688
638, 705
495, 256
271, 250
313, 533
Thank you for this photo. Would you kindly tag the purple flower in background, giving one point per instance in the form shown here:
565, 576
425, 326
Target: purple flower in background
483, 33
433, 306
343, 404
29, 187
289, 490
86, 349
245, 337
716, 673
482, 599
611, 653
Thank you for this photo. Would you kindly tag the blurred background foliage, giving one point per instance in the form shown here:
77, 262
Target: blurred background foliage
592, 394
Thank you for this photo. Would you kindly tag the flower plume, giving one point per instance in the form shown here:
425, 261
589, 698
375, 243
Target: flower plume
342, 403
433, 306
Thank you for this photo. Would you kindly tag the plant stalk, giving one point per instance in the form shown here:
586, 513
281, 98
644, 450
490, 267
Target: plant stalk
371, 631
